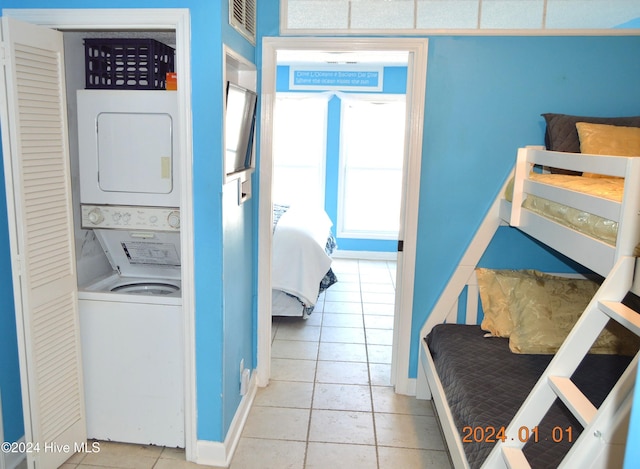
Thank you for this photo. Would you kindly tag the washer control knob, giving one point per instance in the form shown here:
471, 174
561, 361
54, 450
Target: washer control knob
95, 216
174, 219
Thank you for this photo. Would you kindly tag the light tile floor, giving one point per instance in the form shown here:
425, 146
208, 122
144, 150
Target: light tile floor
329, 404
111, 455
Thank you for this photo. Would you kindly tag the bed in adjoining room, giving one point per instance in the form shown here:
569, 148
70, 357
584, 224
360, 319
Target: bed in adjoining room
301, 266
541, 371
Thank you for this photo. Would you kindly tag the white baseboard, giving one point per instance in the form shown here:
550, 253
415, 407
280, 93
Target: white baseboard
214, 453
406, 386
13, 460
211, 453
365, 255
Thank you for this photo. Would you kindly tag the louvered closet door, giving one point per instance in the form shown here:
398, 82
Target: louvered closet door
34, 137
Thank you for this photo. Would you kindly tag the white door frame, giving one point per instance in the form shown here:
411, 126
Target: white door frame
139, 20
416, 86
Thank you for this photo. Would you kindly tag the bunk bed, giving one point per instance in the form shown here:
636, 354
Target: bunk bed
301, 267
559, 408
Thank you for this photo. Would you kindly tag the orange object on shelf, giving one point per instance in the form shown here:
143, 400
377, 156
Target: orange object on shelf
172, 81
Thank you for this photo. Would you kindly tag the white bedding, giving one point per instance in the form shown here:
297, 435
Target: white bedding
299, 258
283, 304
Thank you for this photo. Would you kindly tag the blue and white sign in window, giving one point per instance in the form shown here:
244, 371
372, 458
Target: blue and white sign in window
336, 77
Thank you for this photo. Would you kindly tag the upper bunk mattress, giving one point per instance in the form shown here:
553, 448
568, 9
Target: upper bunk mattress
592, 225
485, 385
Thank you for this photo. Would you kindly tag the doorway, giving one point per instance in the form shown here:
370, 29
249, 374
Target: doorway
415, 91
342, 151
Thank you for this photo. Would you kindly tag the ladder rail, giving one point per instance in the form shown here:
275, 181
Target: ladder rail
622, 314
608, 428
514, 459
573, 398
577, 344
542, 395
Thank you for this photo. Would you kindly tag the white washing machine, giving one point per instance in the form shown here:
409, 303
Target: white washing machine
142, 245
132, 328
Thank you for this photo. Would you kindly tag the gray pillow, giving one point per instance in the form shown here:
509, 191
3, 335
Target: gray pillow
562, 135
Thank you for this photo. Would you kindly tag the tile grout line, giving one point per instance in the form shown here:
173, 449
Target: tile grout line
313, 392
366, 345
317, 361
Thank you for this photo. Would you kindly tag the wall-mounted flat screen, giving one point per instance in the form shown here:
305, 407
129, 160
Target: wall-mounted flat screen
239, 128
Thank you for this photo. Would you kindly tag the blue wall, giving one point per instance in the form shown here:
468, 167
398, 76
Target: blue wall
632, 454
239, 295
9, 367
217, 373
484, 98
240, 260
395, 82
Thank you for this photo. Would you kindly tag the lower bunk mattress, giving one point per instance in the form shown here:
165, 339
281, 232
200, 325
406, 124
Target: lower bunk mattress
485, 385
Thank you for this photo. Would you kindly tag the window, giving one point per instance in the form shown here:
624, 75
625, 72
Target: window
470, 16
371, 157
299, 147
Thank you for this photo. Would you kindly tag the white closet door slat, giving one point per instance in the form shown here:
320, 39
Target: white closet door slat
34, 130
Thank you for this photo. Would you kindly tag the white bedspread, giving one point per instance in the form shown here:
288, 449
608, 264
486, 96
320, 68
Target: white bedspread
299, 259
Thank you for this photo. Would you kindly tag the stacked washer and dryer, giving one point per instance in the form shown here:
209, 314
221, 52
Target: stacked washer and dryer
131, 318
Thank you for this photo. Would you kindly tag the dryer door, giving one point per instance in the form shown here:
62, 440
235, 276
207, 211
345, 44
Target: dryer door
135, 152
128, 147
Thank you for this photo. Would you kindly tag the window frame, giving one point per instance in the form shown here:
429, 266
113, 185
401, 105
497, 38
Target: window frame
341, 232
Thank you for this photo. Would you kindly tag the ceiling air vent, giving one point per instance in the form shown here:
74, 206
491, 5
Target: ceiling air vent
242, 16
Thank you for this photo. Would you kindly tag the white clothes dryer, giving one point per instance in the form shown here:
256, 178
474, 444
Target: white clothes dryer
128, 147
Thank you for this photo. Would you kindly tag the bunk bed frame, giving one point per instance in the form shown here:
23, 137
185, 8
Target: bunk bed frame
602, 442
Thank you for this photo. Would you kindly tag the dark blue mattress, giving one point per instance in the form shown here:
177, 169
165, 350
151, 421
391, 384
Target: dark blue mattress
486, 384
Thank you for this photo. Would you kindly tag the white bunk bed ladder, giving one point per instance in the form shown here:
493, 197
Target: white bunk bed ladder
601, 443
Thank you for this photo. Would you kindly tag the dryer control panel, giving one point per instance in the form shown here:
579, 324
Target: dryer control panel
130, 217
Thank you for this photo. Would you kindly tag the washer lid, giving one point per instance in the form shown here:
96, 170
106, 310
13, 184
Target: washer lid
147, 288
153, 254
